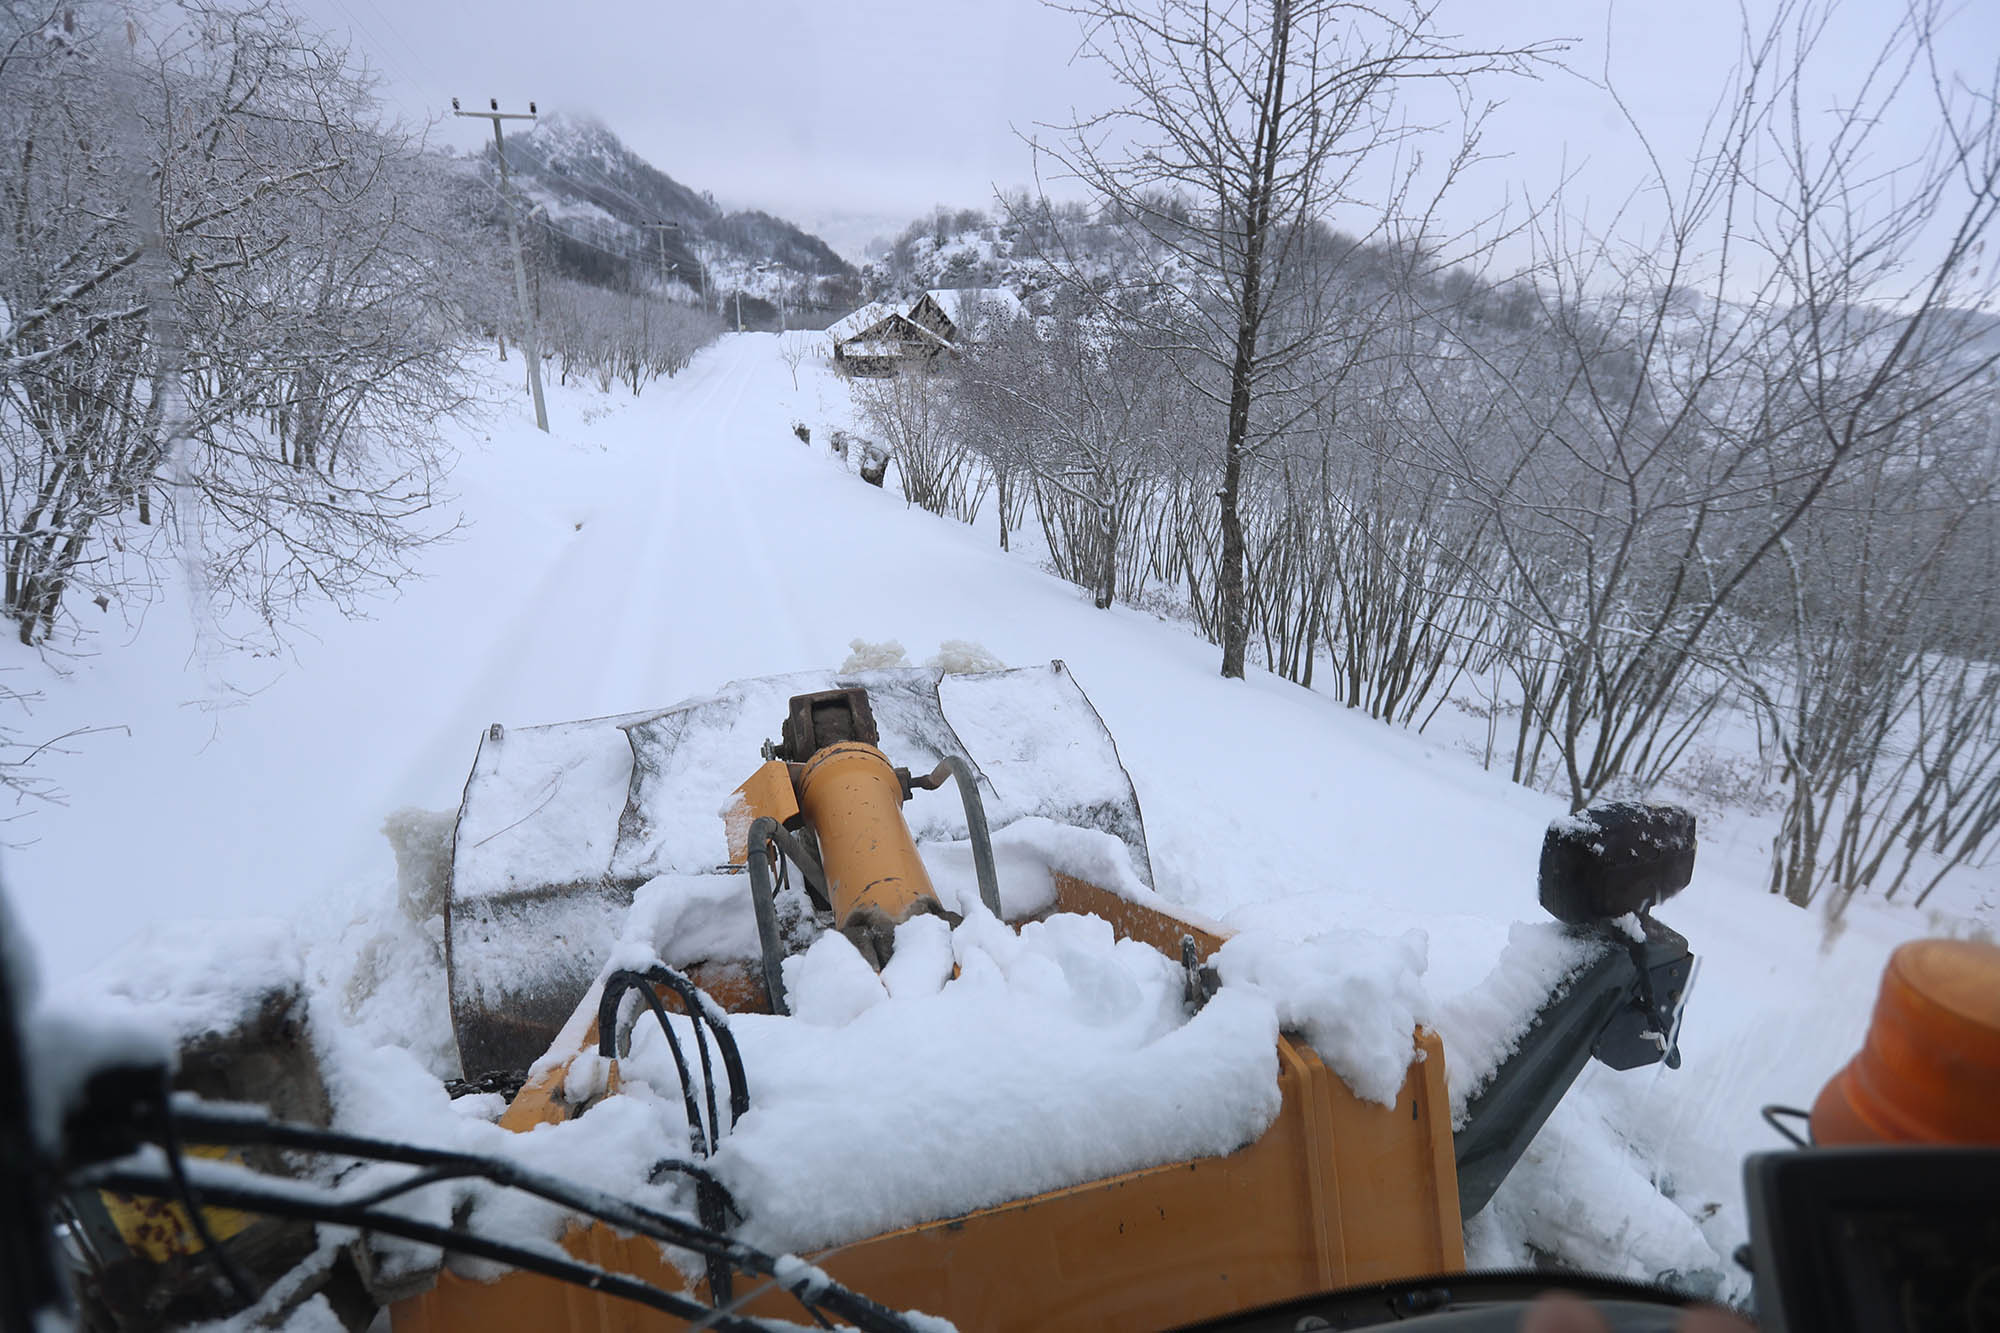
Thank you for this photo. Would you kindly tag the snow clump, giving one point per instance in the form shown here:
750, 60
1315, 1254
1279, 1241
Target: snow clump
868, 656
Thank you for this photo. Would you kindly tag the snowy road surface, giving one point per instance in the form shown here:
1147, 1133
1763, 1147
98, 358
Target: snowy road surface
653, 549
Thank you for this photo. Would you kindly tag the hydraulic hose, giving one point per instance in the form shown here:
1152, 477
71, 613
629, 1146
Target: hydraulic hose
763, 898
976, 830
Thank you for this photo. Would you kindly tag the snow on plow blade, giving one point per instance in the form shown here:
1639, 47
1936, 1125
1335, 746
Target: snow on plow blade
561, 824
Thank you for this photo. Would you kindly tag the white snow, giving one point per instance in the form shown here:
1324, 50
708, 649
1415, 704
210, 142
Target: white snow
1483, 1024
1356, 996
1057, 1055
184, 979
831, 984
650, 551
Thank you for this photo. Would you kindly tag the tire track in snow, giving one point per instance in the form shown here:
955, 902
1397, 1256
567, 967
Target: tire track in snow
687, 563
550, 662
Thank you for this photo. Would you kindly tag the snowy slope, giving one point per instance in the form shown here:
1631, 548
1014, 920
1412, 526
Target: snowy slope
653, 549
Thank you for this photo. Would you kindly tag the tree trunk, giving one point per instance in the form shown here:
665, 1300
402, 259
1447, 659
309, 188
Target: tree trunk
1229, 578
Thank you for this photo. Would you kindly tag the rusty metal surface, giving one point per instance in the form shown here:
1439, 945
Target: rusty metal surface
826, 717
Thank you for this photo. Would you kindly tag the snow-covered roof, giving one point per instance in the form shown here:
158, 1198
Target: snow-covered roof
861, 321
958, 303
885, 335
890, 346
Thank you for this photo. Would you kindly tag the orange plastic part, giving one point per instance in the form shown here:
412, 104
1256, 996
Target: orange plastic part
854, 801
1929, 1071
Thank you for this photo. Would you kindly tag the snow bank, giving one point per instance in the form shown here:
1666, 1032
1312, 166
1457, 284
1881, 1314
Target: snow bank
962, 657
1581, 1191
865, 656
186, 979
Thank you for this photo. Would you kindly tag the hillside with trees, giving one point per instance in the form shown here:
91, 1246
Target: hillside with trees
1715, 511
605, 215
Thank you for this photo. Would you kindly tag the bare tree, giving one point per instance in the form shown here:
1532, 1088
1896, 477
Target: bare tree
1080, 409
1876, 687
912, 414
1250, 122
1674, 414
793, 349
224, 311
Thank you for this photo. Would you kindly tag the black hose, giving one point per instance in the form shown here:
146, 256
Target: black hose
800, 852
712, 1201
289, 1203
615, 987
236, 1128
763, 899
1775, 1116
225, 1263
977, 831
725, 1041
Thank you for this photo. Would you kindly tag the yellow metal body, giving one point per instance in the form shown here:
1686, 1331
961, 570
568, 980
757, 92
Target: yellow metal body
1337, 1191
160, 1229
854, 801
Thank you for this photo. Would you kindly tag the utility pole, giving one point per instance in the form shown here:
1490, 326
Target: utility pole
661, 229
767, 267
530, 344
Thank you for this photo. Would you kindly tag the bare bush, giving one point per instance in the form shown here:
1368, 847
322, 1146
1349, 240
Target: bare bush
1249, 124
913, 416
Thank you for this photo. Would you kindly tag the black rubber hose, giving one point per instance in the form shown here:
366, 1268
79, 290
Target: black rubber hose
712, 1202
615, 987
763, 900
288, 1203
702, 1010
211, 1249
241, 1127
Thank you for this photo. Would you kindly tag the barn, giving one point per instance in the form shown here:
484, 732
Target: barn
884, 337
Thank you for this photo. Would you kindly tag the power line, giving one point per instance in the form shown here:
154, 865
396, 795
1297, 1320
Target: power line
394, 31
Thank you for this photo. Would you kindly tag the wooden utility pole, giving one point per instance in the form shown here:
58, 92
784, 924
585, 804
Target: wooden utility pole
531, 346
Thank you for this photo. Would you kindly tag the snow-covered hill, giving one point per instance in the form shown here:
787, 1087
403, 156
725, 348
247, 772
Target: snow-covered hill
606, 209
652, 549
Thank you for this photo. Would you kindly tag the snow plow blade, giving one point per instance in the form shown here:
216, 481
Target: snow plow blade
561, 824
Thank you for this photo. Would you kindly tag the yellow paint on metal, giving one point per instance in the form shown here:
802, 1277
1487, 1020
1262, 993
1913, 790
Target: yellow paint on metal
160, 1229
854, 800
768, 791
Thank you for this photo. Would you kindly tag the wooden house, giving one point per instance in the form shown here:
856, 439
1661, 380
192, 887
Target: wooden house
882, 338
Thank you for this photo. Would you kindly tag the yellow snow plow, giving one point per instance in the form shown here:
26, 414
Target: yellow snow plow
563, 829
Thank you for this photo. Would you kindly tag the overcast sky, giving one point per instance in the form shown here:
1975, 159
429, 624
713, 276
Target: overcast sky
852, 117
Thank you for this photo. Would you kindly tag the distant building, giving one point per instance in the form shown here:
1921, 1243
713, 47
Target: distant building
882, 338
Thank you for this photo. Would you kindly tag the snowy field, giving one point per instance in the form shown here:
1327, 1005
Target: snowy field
653, 549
